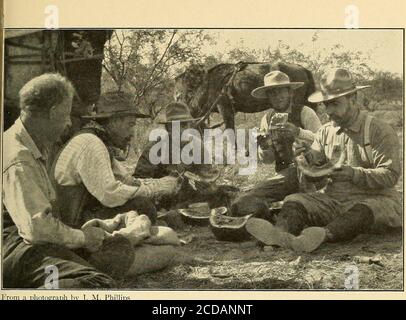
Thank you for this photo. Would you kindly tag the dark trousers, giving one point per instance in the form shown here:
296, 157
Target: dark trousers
293, 218
271, 190
25, 266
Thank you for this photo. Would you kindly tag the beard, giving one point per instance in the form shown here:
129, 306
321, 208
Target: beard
122, 143
344, 120
282, 105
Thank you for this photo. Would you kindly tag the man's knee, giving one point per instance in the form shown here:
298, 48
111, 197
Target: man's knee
249, 204
150, 258
359, 219
292, 217
114, 258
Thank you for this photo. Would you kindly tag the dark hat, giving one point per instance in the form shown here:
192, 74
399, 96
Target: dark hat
335, 83
115, 104
178, 111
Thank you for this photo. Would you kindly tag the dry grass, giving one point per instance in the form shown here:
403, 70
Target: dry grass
206, 263
210, 264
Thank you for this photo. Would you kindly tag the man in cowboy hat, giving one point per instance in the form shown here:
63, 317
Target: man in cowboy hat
177, 120
302, 123
89, 178
359, 195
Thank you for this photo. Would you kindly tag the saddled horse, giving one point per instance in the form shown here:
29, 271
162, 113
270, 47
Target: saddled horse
226, 88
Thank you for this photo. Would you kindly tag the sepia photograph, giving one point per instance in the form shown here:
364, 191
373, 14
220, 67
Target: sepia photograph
203, 159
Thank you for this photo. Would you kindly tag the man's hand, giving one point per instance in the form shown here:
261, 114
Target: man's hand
294, 130
264, 141
93, 238
138, 228
170, 184
108, 225
343, 173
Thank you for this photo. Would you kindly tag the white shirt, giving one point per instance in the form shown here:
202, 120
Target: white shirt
28, 193
85, 159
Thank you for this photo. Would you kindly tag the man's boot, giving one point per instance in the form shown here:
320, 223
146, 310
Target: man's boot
309, 240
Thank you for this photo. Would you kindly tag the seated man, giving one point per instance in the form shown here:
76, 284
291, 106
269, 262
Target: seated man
33, 235
179, 112
360, 194
86, 171
276, 143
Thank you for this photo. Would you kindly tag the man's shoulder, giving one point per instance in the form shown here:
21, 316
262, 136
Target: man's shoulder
328, 127
14, 150
381, 127
80, 144
308, 112
84, 140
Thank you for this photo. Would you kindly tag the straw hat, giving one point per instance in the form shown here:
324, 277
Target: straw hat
274, 79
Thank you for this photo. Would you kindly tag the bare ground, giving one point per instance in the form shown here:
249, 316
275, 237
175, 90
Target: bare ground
206, 263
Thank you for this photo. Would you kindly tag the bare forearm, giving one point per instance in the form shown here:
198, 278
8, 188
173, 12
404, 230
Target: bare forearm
47, 229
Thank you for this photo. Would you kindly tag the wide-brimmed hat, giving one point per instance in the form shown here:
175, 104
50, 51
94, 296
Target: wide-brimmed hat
115, 104
177, 111
274, 79
335, 83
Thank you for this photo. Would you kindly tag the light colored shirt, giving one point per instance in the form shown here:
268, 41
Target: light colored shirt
375, 176
311, 123
85, 159
28, 193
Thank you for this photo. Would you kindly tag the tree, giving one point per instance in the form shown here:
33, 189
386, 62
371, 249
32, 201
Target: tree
144, 62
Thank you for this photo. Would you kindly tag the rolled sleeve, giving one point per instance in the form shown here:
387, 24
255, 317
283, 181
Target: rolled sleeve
95, 170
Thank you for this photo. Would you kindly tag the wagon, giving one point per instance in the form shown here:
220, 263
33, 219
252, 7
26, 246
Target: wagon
76, 54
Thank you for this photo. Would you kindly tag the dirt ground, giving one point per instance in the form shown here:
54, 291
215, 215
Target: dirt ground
206, 263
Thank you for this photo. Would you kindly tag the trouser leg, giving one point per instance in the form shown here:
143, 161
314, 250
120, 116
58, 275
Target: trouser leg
264, 193
150, 258
276, 190
292, 218
114, 258
35, 266
359, 219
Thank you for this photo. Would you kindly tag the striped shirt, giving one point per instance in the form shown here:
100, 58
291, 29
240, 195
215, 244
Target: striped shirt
85, 159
